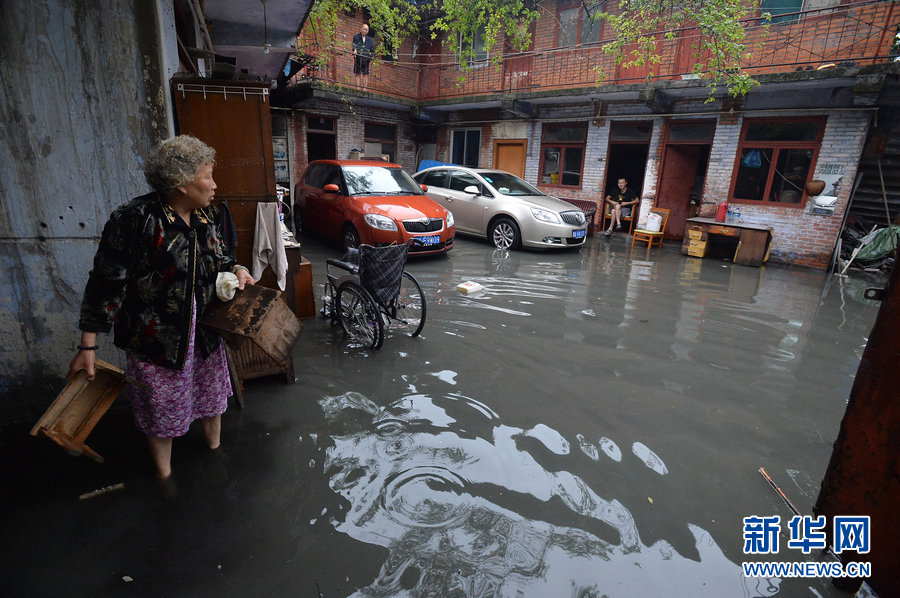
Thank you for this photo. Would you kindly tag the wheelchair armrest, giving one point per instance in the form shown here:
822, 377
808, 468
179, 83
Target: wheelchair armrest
348, 266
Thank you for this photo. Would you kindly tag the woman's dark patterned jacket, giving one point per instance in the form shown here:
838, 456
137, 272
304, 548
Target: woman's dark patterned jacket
147, 267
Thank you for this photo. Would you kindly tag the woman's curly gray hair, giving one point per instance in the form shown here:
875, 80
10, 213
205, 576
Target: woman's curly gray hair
175, 162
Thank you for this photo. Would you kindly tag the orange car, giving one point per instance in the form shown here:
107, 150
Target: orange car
371, 202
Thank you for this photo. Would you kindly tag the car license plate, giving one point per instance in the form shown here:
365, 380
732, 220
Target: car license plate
432, 240
579, 234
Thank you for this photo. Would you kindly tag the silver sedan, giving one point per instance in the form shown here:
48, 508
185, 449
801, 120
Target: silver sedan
503, 208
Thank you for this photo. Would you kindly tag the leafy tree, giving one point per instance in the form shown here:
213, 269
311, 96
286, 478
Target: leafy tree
639, 27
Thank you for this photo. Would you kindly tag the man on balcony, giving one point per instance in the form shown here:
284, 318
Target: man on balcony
363, 50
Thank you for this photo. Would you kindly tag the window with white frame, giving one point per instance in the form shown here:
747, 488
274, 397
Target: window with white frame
479, 56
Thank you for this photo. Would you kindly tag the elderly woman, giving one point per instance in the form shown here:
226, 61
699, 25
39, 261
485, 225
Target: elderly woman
154, 276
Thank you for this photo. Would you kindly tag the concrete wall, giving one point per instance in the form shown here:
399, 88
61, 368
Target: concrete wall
82, 103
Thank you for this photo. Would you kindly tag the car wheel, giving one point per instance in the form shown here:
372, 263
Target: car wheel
351, 238
504, 234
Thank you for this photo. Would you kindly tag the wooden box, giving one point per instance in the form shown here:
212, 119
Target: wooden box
697, 248
77, 409
260, 330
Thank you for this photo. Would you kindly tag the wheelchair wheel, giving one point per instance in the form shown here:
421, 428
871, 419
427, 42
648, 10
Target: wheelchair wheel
359, 315
409, 313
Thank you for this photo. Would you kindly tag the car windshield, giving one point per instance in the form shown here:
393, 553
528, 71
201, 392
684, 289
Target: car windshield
379, 180
509, 184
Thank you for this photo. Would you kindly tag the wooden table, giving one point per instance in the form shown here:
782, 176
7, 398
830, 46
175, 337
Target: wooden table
754, 240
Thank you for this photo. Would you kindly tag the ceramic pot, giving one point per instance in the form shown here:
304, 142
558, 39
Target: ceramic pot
815, 187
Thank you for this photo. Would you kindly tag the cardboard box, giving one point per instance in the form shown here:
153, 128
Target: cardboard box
697, 248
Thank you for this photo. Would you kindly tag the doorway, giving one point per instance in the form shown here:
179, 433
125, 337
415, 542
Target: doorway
320, 146
628, 161
629, 146
685, 159
320, 138
509, 155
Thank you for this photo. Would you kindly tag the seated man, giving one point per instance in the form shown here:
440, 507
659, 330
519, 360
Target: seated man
620, 205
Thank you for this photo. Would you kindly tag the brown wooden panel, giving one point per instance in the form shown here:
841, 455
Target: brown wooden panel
863, 476
243, 212
752, 247
726, 231
239, 128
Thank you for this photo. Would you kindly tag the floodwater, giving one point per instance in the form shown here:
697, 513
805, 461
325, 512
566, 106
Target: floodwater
590, 425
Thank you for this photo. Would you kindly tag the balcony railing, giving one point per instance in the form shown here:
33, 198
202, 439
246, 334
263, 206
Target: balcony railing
862, 33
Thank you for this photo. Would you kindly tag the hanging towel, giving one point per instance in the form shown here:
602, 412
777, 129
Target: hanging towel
268, 245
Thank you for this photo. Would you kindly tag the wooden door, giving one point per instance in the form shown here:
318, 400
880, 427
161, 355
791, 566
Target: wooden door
680, 165
234, 119
509, 155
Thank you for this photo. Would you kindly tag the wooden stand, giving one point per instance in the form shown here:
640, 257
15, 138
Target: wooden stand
299, 286
72, 416
754, 241
260, 330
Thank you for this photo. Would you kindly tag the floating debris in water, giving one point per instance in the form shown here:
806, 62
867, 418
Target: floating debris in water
102, 491
469, 287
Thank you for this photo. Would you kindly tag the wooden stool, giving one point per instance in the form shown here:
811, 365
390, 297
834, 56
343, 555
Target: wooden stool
72, 416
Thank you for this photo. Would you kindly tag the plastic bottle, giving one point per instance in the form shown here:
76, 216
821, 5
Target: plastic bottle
722, 211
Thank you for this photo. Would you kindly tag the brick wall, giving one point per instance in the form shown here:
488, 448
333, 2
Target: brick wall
799, 237
848, 33
399, 78
350, 127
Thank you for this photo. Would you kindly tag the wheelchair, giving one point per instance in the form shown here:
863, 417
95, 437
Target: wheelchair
369, 293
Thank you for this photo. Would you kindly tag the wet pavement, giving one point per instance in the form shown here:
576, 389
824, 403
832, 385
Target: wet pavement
591, 425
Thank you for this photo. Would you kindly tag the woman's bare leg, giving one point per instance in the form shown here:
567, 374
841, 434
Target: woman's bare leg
161, 451
212, 429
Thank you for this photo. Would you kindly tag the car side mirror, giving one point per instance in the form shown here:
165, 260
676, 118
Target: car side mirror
331, 188
424, 188
472, 190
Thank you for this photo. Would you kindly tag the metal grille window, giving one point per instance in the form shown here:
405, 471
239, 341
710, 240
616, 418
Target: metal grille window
466, 145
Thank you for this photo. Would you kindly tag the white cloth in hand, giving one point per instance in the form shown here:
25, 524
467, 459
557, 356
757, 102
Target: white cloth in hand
226, 284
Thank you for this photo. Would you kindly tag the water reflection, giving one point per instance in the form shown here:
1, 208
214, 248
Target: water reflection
453, 494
